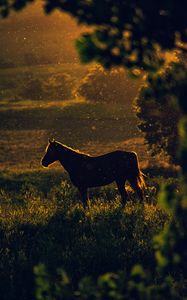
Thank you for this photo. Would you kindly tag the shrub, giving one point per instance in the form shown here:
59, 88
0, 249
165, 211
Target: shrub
56, 87
33, 89
107, 86
135, 285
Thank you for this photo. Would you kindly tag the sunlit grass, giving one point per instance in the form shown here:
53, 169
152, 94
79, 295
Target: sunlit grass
43, 69
28, 198
38, 104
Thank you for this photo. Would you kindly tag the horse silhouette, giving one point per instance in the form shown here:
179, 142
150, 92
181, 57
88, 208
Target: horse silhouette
87, 171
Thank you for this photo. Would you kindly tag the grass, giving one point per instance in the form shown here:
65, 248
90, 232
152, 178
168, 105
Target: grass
43, 221
72, 68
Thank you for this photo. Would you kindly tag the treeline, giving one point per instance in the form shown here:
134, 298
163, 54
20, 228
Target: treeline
98, 86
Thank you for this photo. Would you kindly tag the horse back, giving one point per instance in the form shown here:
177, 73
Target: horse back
115, 156
93, 171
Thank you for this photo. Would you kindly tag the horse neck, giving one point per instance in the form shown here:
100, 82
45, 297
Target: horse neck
66, 157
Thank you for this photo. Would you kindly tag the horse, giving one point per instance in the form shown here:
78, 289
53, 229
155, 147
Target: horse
88, 171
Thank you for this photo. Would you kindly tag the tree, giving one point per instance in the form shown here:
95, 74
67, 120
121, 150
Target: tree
107, 86
55, 87
33, 89
156, 109
58, 87
126, 33
134, 34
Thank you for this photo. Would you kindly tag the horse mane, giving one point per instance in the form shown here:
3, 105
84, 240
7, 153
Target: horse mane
72, 149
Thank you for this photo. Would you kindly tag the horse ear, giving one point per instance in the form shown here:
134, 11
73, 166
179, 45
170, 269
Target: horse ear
51, 141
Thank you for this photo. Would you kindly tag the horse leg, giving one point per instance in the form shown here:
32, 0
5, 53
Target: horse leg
83, 194
122, 191
136, 188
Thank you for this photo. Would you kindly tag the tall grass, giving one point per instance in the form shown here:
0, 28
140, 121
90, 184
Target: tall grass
43, 222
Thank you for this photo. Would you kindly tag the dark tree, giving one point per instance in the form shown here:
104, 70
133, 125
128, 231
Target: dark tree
127, 33
156, 108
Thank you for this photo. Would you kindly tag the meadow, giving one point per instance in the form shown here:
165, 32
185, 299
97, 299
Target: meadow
26, 124
42, 219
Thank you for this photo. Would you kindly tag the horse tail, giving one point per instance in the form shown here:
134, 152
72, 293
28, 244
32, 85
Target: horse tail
139, 175
141, 181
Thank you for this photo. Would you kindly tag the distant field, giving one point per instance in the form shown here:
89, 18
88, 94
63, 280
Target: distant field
26, 125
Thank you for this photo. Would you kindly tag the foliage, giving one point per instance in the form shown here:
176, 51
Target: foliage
33, 89
135, 286
45, 223
156, 109
107, 86
126, 33
58, 87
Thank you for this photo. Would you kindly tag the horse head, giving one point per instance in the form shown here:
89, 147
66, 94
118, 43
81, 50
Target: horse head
51, 154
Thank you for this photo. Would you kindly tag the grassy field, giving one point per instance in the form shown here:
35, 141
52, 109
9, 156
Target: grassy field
42, 219
26, 125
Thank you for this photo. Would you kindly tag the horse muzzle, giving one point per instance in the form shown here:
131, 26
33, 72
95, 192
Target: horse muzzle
44, 163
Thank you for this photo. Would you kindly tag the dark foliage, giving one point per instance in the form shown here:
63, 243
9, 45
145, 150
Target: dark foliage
127, 33
156, 107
